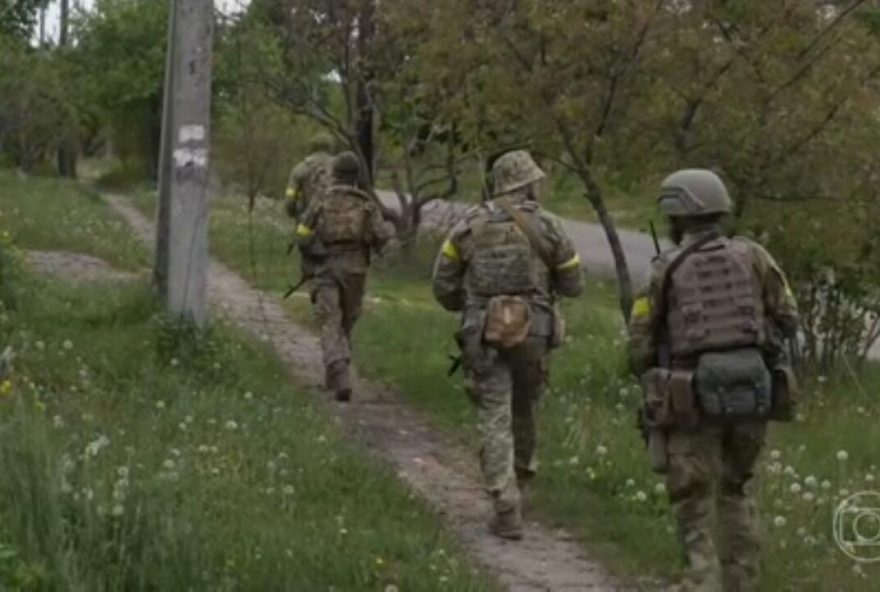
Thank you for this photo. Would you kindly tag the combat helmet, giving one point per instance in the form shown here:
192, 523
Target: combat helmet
346, 165
321, 142
514, 170
694, 192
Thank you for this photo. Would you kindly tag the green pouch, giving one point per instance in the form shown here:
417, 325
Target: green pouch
733, 386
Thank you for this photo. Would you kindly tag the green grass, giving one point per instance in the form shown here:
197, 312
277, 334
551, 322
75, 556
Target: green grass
594, 478
136, 458
53, 214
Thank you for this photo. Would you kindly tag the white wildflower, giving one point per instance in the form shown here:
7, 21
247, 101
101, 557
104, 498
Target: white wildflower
95, 446
68, 344
779, 521
160, 404
288, 490
601, 450
660, 488
231, 425
248, 396
775, 454
795, 488
641, 496
842, 455
811, 481
169, 464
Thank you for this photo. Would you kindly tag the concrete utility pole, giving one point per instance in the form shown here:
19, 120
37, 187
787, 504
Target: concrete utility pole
181, 264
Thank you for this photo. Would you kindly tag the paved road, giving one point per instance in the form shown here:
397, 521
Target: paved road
589, 240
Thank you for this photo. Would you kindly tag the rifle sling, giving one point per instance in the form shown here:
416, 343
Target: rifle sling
525, 224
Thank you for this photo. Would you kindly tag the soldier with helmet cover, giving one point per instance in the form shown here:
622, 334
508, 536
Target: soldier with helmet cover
707, 338
503, 268
337, 235
310, 177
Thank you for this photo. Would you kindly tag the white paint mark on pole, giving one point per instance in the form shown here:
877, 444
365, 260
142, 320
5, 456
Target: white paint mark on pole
191, 133
197, 157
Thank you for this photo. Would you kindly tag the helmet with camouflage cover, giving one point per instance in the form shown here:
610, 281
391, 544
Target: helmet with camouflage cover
694, 192
321, 143
346, 166
514, 170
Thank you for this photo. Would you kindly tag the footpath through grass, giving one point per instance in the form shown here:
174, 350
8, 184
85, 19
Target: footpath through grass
135, 457
594, 477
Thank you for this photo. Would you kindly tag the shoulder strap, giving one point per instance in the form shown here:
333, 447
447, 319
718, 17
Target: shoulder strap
661, 328
526, 224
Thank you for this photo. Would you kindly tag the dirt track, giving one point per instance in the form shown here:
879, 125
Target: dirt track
547, 560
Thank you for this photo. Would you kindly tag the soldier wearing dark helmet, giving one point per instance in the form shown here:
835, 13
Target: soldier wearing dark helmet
503, 267
310, 177
337, 235
707, 337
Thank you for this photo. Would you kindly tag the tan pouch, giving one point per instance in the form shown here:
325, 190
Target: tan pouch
655, 389
507, 321
682, 398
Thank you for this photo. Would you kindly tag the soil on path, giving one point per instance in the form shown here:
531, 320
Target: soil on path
75, 267
547, 560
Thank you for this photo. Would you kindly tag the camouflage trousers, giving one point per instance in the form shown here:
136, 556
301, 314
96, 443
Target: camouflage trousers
505, 386
711, 466
337, 301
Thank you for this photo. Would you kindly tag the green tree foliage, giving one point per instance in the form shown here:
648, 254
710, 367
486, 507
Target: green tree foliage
120, 56
18, 17
35, 104
764, 92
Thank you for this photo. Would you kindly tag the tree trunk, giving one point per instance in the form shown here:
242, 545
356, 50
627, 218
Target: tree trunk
364, 74
624, 282
67, 150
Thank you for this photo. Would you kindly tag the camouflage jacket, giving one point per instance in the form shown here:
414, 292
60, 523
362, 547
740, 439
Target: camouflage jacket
308, 179
353, 256
780, 308
453, 268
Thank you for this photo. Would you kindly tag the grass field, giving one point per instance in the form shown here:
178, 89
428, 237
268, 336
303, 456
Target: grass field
137, 458
594, 477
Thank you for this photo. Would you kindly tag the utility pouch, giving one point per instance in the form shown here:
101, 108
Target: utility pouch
655, 389
670, 400
785, 394
508, 321
733, 386
682, 398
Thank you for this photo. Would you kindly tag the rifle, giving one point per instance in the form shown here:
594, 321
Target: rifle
291, 288
654, 237
455, 365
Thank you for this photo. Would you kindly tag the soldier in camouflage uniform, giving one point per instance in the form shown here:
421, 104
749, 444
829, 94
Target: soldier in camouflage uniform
310, 177
503, 268
337, 235
713, 304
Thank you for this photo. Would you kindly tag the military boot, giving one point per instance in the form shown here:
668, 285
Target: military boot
339, 380
507, 524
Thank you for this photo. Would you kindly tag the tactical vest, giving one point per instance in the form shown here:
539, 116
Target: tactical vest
343, 216
502, 261
715, 300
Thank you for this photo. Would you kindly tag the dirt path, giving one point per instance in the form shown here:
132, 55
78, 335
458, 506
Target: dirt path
75, 267
442, 473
